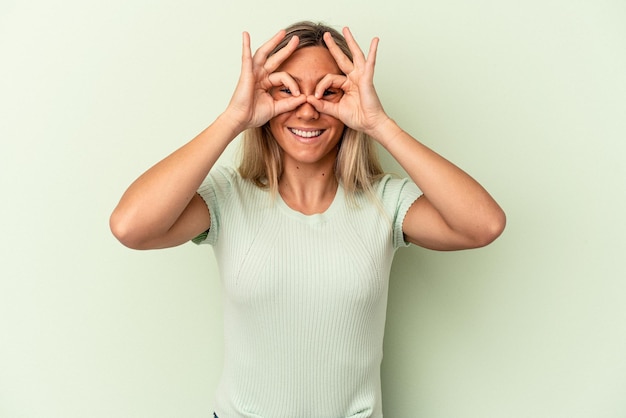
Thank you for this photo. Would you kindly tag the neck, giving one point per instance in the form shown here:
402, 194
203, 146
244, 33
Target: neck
308, 189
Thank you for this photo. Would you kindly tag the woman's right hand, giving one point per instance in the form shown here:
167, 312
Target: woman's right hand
252, 104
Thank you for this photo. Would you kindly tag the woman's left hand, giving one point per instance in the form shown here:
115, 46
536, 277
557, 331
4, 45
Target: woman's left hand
359, 107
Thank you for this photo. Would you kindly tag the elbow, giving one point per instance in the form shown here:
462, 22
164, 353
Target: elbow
491, 229
122, 229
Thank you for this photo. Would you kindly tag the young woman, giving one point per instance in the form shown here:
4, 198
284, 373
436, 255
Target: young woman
304, 231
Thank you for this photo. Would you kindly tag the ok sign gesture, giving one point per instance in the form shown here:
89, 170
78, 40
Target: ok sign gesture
359, 107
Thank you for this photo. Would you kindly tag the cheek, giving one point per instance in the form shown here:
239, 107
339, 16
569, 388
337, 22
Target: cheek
276, 125
337, 126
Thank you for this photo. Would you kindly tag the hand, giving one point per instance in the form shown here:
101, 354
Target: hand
252, 105
359, 107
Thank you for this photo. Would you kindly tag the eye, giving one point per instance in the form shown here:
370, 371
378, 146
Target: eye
333, 95
285, 90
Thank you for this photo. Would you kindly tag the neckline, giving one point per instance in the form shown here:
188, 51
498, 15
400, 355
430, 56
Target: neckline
315, 218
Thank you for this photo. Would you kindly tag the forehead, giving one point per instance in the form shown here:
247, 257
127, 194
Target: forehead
310, 62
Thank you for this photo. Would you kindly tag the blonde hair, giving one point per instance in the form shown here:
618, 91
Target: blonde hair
357, 166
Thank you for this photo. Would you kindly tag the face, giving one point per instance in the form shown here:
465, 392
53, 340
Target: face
305, 135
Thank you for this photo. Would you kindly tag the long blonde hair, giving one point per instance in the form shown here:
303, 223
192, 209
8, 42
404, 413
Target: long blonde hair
357, 166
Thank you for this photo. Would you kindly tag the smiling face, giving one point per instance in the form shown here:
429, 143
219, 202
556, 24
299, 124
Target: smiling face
305, 135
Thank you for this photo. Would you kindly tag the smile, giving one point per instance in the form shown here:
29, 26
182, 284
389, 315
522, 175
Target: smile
306, 134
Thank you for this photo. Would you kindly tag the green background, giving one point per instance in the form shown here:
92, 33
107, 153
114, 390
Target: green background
528, 97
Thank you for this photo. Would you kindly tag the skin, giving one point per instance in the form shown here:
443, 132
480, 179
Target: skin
307, 183
307, 67
311, 89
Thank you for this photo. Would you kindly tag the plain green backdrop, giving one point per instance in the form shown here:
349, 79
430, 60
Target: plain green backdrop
528, 97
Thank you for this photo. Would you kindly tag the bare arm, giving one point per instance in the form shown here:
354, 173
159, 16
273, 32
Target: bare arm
161, 208
456, 212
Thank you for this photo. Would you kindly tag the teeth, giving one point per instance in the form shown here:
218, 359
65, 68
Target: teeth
306, 134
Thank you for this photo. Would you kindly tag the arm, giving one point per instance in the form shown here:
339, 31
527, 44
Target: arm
161, 208
455, 212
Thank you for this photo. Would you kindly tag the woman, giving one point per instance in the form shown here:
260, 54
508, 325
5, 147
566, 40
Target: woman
305, 230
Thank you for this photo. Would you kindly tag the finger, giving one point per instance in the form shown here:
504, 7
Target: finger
245, 76
288, 104
284, 79
281, 55
371, 55
357, 54
260, 56
344, 63
246, 54
329, 81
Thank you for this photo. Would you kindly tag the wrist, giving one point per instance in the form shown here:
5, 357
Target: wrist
230, 124
384, 131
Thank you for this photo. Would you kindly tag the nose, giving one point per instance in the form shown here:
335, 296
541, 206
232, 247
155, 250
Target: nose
306, 111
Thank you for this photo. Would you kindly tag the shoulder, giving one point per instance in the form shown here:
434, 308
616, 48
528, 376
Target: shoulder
221, 181
392, 189
396, 195
226, 188
224, 174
